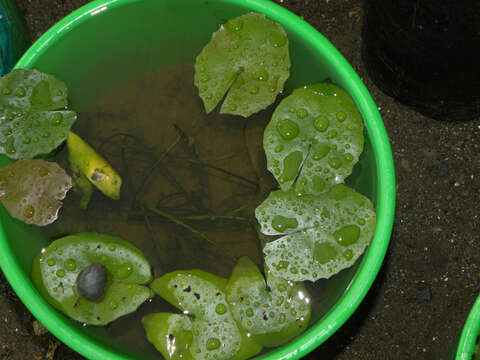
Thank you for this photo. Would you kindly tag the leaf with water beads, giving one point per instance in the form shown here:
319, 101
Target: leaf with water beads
207, 329
314, 139
246, 61
31, 190
322, 234
56, 270
272, 311
29, 126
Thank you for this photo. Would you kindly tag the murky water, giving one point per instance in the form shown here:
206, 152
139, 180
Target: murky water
206, 172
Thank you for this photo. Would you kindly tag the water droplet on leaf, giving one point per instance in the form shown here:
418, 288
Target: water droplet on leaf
321, 123
287, 129
281, 223
213, 344
29, 212
347, 235
124, 271
20, 92
70, 265
334, 163
302, 113
220, 309
331, 134
261, 75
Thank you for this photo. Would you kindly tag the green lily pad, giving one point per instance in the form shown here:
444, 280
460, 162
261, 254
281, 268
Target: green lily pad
314, 139
247, 62
273, 313
211, 333
31, 190
324, 234
28, 124
171, 334
56, 268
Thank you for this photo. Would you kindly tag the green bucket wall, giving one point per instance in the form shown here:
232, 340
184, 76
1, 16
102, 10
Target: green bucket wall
108, 42
467, 342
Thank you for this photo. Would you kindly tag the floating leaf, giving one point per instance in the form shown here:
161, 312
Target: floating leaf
323, 234
314, 139
211, 332
247, 61
55, 272
86, 163
28, 126
273, 314
171, 334
31, 190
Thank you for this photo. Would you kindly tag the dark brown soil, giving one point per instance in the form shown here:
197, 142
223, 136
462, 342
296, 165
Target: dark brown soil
429, 281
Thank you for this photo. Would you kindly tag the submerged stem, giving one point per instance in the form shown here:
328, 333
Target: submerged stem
240, 177
191, 229
161, 157
153, 237
214, 217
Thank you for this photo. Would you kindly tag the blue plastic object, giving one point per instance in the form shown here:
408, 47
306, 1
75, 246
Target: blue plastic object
6, 45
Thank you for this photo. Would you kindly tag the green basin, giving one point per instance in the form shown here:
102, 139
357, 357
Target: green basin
117, 39
468, 338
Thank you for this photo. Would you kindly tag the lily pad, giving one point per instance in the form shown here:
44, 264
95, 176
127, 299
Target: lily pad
323, 234
246, 61
274, 311
171, 334
28, 124
56, 269
314, 139
210, 333
31, 190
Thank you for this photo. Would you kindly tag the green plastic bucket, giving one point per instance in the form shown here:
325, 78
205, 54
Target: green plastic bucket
470, 333
117, 39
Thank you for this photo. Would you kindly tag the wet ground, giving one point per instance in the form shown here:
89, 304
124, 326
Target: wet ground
430, 278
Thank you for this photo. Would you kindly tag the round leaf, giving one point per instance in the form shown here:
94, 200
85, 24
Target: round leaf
28, 124
215, 334
273, 314
247, 62
55, 272
324, 234
314, 139
31, 190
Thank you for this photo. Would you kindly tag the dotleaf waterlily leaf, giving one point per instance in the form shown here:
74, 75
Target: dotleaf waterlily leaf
246, 61
56, 269
31, 190
324, 234
314, 139
214, 332
28, 124
273, 314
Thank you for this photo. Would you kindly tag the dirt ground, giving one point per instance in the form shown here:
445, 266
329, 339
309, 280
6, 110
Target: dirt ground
430, 277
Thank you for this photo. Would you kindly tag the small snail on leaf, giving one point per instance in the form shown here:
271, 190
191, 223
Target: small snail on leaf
91, 283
